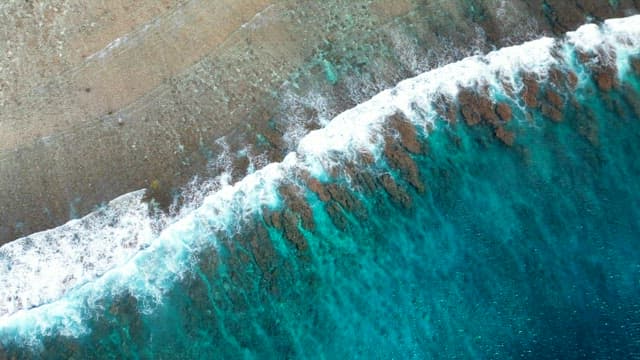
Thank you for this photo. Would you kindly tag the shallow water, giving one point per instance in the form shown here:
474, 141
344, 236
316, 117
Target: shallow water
528, 250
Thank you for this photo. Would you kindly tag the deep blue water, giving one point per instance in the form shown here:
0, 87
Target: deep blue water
526, 251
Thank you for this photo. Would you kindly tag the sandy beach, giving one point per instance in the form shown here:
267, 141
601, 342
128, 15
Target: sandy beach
98, 99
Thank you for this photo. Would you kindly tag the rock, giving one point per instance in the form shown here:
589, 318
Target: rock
261, 248
507, 88
318, 188
487, 110
347, 200
554, 98
337, 216
605, 79
297, 204
446, 108
572, 79
504, 112
408, 134
240, 166
507, 137
470, 115
551, 112
401, 161
556, 77
397, 193
469, 107
635, 64
292, 233
531, 89
477, 107
602, 65
365, 182
366, 157
272, 218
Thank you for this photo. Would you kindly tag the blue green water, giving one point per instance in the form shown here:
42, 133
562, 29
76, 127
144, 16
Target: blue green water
530, 251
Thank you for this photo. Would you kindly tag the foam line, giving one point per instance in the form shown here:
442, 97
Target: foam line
46, 278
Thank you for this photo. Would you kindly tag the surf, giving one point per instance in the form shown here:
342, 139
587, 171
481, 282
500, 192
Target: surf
333, 165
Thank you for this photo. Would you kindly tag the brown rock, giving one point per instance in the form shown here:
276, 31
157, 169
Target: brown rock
487, 110
605, 80
271, 218
366, 158
572, 79
240, 166
469, 107
337, 216
504, 112
400, 160
408, 135
292, 232
261, 248
318, 188
507, 88
556, 77
470, 115
365, 182
297, 204
397, 193
554, 98
584, 57
530, 93
507, 137
476, 107
635, 64
551, 112
346, 199
446, 108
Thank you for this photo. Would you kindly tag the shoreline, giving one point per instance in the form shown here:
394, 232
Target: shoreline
166, 134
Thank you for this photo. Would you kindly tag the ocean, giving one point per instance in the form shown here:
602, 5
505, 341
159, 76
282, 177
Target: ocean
489, 208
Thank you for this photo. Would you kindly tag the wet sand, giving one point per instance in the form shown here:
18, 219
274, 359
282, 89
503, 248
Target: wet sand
99, 99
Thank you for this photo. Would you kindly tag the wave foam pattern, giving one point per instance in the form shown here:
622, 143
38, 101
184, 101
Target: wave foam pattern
113, 262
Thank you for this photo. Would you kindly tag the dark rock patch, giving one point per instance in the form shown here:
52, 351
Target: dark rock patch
262, 248
272, 218
635, 64
605, 79
298, 205
469, 106
601, 62
504, 112
291, 231
407, 132
551, 112
318, 188
337, 216
477, 107
401, 161
347, 200
507, 137
554, 98
363, 181
446, 108
531, 88
396, 192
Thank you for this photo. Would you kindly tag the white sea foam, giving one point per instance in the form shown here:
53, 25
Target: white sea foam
621, 33
87, 262
41, 267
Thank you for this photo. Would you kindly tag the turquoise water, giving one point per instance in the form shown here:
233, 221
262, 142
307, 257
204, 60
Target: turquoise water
524, 251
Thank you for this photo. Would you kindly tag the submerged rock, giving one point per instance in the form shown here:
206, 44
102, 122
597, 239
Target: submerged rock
635, 64
507, 137
531, 88
407, 132
504, 112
